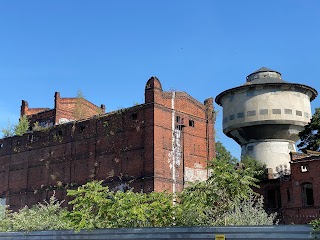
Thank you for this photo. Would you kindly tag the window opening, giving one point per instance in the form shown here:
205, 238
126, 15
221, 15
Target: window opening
263, 111
82, 128
304, 168
299, 113
134, 116
288, 111
251, 113
191, 123
240, 115
276, 111
307, 194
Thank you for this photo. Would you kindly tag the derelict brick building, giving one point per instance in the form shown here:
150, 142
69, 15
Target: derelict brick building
160, 145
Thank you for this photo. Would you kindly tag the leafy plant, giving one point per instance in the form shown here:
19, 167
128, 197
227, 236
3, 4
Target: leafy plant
310, 136
95, 206
43, 216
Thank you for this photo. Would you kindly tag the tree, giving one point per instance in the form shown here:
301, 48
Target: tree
8, 131
310, 136
223, 153
79, 111
258, 168
22, 127
204, 203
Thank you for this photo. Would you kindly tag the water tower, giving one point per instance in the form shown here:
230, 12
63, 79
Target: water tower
265, 115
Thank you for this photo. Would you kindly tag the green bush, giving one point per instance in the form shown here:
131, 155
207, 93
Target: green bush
95, 206
43, 216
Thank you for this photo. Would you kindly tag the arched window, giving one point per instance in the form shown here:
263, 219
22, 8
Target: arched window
307, 194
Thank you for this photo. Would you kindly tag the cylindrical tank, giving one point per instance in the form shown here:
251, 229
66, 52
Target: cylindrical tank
265, 115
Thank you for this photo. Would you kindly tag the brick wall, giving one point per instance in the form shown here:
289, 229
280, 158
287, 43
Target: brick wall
132, 146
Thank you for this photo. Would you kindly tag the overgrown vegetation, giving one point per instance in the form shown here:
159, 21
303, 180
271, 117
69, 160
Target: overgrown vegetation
310, 136
21, 128
226, 198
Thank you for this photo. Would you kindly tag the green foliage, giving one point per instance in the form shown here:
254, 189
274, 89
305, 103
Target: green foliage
205, 202
315, 227
310, 136
258, 168
95, 206
79, 111
8, 131
223, 153
247, 212
46, 216
22, 127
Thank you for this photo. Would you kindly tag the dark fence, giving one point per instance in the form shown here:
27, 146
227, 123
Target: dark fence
199, 233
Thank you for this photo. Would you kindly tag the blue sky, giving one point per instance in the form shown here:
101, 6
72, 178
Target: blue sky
109, 49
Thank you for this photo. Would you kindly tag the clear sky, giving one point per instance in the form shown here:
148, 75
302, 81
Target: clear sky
109, 49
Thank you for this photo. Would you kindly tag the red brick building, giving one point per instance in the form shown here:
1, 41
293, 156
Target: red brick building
294, 195
65, 110
160, 145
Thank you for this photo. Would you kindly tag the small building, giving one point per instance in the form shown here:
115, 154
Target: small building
161, 144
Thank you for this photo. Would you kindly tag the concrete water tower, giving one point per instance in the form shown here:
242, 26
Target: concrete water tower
265, 115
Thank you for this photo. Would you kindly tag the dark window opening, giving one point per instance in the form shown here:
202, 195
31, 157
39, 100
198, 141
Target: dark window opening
240, 115
271, 198
307, 194
231, 117
134, 116
82, 128
178, 119
299, 113
191, 123
250, 148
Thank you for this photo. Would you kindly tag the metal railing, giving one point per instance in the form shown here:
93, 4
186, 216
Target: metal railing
174, 233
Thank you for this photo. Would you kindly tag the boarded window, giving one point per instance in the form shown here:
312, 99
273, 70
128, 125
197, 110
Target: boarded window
276, 111
251, 113
240, 115
288, 111
263, 111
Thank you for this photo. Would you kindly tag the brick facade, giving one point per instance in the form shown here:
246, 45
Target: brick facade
294, 196
65, 110
159, 145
